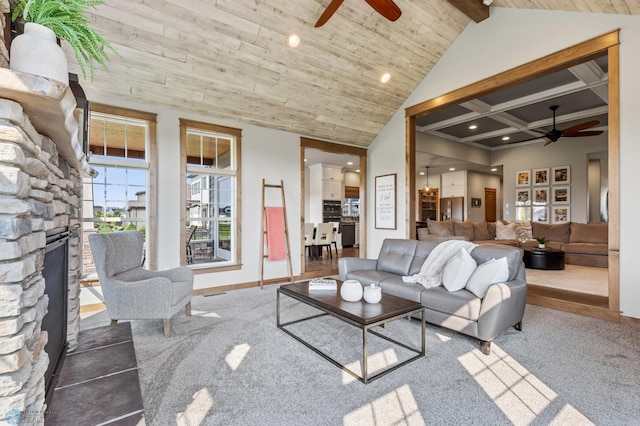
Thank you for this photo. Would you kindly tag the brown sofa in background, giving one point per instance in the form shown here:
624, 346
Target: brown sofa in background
583, 243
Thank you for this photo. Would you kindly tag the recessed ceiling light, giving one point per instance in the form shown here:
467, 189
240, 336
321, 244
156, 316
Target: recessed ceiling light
305, 160
473, 127
385, 77
494, 169
452, 169
349, 163
357, 170
506, 138
294, 40
421, 173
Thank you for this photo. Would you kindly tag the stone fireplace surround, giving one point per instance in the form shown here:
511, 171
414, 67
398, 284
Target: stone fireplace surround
41, 171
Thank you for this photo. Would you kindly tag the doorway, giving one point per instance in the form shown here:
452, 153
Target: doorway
326, 169
490, 201
603, 46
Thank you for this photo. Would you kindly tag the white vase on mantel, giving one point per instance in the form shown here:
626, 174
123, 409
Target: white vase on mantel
36, 52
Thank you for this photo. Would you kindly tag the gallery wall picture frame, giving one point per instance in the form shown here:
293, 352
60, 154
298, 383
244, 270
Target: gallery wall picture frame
523, 213
541, 176
560, 214
476, 202
540, 214
561, 195
523, 197
561, 175
385, 201
540, 196
523, 178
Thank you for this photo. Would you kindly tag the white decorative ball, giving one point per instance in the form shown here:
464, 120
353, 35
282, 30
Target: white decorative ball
351, 290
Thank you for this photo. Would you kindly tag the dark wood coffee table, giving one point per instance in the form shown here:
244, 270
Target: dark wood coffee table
546, 258
359, 314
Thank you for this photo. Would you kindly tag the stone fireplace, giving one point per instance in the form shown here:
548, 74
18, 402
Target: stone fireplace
41, 170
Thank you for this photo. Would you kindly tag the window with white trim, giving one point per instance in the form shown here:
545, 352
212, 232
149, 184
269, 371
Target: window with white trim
210, 159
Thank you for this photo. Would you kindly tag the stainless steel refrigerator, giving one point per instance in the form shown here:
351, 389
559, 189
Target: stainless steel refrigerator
452, 208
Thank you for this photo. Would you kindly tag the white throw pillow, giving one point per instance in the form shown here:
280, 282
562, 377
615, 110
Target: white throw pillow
505, 231
491, 272
458, 270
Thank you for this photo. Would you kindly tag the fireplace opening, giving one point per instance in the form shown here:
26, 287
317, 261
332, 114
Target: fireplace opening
56, 276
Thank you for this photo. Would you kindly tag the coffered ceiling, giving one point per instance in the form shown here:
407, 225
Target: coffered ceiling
229, 59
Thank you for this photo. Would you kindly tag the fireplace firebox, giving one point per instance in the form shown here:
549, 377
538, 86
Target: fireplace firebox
56, 275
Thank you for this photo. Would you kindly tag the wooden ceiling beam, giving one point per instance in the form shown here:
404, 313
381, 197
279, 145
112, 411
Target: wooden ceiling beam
474, 9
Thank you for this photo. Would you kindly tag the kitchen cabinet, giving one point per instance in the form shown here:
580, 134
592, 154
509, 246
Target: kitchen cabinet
331, 190
453, 184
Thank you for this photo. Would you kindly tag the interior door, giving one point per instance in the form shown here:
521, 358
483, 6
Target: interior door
490, 204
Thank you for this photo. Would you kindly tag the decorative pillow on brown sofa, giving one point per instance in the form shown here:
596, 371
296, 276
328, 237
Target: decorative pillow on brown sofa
464, 229
491, 227
559, 232
481, 232
441, 229
589, 233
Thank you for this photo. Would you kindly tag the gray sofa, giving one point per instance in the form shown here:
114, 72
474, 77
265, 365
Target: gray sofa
484, 319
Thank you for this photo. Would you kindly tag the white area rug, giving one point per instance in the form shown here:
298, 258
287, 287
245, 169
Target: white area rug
584, 279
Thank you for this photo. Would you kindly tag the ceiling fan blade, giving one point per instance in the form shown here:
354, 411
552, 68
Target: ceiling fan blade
328, 12
527, 140
580, 134
580, 126
386, 8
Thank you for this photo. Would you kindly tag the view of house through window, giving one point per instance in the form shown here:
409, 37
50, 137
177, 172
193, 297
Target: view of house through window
117, 198
210, 216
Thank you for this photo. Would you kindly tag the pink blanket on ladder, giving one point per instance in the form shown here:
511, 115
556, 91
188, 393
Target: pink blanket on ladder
276, 245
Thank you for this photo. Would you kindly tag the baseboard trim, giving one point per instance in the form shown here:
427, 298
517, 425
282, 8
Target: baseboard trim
633, 322
573, 307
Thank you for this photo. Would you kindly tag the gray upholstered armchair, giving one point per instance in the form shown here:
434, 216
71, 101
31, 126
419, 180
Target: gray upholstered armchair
132, 292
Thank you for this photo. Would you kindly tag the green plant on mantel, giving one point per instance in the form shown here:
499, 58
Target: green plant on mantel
66, 18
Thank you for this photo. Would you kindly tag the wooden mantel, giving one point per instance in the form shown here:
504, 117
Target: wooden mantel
50, 106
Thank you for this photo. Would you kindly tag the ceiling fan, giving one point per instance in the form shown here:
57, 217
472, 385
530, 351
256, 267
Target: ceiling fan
386, 8
571, 132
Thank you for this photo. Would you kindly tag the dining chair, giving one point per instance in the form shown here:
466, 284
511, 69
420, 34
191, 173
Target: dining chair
308, 237
323, 237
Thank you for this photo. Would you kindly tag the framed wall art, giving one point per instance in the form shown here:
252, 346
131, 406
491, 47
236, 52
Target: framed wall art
523, 213
561, 195
561, 175
540, 196
560, 214
523, 178
385, 202
540, 214
523, 197
541, 177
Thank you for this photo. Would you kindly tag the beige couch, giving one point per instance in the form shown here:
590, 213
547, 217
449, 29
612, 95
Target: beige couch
583, 243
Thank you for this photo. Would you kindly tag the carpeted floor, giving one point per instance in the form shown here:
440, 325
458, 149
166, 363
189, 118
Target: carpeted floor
230, 365
584, 279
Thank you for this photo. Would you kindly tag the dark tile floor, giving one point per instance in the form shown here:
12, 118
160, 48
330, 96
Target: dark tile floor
98, 383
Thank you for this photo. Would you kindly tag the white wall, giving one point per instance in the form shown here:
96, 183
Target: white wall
509, 38
266, 153
476, 183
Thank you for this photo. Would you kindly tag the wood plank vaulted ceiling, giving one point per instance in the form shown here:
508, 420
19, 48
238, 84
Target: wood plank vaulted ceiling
229, 58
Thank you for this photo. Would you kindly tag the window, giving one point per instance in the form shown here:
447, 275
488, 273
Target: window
210, 158
121, 196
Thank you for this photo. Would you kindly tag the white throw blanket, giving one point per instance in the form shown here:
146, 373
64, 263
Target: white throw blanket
430, 274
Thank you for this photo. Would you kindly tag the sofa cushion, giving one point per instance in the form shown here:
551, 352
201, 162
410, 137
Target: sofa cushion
523, 230
463, 229
558, 232
461, 303
490, 272
514, 243
480, 231
491, 227
396, 287
441, 229
506, 231
367, 277
586, 248
423, 248
589, 233
486, 252
396, 256
458, 270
